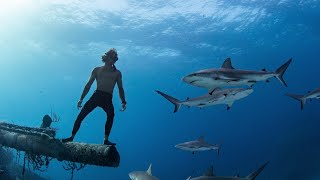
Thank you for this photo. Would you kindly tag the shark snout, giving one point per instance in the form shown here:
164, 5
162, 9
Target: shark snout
189, 78
248, 91
194, 78
245, 92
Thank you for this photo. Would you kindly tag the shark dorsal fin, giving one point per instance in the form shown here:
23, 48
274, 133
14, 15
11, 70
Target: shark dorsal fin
201, 139
209, 172
149, 171
227, 64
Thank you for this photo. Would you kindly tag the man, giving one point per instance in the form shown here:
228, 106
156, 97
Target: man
106, 76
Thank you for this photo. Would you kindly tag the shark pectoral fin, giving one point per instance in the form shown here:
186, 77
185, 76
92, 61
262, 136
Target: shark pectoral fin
252, 82
229, 105
227, 64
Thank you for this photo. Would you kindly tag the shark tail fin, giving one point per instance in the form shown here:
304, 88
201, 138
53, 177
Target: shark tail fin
174, 101
254, 174
300, 98
281, 70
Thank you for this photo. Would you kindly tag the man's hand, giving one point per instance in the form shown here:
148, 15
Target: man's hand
79, 104
124, 107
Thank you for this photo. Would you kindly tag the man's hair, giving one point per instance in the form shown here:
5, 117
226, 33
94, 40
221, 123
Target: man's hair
111, 53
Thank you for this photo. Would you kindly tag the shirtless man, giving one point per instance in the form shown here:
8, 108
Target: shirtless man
106, 76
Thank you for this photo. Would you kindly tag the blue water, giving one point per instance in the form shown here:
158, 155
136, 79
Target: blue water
48, 50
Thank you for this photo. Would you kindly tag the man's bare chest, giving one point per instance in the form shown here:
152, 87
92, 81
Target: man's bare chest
107, 75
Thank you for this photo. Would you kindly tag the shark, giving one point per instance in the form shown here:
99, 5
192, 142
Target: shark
209, 175
198, 145
218, 96
143, 175
227, 75
315, 94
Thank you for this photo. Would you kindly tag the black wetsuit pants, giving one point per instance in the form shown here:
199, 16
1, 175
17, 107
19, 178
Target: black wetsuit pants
101, 99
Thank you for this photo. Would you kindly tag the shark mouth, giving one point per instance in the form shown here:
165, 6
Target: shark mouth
193, 81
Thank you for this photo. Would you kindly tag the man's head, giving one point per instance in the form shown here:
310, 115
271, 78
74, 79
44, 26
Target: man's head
111, 56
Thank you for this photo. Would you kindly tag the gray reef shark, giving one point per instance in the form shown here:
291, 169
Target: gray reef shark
198, 145
315, 94
217, 96
143, 175
210, 175
227, 75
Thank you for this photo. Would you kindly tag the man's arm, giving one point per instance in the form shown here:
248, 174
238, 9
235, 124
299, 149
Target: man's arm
89, 83
120, 87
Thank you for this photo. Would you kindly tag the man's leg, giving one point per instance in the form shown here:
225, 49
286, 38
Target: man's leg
87, 108
109, 109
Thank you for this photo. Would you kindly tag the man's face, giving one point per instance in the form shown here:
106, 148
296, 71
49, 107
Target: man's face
110, 58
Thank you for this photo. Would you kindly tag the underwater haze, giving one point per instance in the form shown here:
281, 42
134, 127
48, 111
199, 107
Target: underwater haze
48, 50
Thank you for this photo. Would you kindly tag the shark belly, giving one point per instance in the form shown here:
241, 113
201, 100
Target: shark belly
212, 102
142, 176
214, 83
314, 96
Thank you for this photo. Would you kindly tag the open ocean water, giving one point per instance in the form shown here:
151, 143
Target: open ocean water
49, 48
